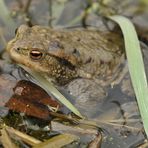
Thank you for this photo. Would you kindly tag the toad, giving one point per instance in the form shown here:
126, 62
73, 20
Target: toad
62, 55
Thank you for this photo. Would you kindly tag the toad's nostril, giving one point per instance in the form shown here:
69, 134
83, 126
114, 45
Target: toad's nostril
17, 49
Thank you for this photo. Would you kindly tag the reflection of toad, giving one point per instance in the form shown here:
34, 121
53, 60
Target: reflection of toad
63, 55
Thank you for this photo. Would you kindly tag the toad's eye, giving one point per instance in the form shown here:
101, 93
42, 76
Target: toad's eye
36, 55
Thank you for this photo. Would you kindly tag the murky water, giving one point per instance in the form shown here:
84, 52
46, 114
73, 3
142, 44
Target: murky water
116, 111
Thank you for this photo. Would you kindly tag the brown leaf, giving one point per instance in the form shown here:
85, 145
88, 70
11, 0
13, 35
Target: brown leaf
31, 99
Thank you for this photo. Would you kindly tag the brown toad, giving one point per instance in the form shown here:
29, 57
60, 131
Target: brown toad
64, 54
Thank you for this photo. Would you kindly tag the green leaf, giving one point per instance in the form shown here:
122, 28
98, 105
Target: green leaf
136, 66
6, 17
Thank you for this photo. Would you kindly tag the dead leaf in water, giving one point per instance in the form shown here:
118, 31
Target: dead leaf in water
31, 100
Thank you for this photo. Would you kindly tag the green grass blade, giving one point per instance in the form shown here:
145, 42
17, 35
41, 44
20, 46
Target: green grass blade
136, 66
48, 86
6, 18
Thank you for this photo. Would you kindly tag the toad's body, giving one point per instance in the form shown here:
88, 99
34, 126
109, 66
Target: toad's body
63, 55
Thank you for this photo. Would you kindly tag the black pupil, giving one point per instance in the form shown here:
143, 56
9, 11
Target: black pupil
36, 55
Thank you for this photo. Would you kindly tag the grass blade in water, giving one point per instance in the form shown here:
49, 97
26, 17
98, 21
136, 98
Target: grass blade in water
48, 86
136, 66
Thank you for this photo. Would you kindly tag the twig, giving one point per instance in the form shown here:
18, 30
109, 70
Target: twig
26, 7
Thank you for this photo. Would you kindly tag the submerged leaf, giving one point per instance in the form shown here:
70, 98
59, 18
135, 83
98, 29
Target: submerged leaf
58, 141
